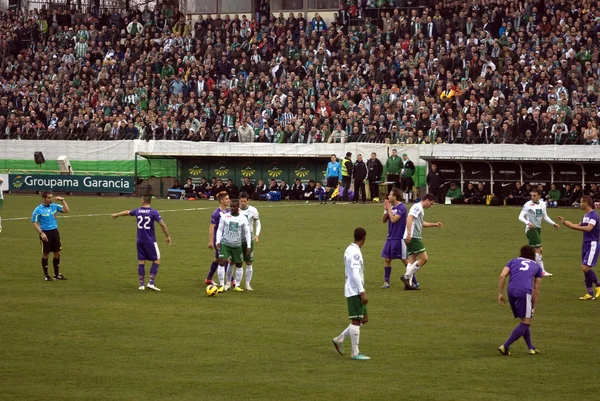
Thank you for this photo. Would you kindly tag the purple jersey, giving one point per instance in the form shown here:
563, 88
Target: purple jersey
215, 219
522, 273
396, 230
145, 216
591, 219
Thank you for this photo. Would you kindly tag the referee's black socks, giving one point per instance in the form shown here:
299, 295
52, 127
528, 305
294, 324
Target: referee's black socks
45, 266
56, 263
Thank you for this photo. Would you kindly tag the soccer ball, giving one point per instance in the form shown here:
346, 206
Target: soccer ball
212, 290
376, 200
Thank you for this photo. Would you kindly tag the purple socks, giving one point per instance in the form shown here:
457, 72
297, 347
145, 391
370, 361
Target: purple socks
213, 269
527, 338
517, 333
153, 273
141, 273
387, 272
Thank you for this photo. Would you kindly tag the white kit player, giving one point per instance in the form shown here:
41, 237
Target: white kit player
253, 219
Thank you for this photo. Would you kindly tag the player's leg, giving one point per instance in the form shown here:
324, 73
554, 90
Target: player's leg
54, 240
142, 273
589, 258
249, 268
386, 254
522, 308
213, 269
239, 274
223, 258
46, 251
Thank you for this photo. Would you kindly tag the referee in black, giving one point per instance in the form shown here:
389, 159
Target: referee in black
44, 222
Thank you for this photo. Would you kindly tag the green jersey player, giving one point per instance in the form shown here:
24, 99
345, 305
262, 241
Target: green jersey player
253, 218
532, 214
356, 296
233, 226
415, 249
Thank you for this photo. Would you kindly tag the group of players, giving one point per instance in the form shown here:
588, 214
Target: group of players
235, 228
232, 234
404, 242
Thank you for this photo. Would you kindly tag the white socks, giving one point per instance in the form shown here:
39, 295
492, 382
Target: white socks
229, 274
239, 273
539, 261
354, 337
249, 272
411, 269
221, 274
345, 333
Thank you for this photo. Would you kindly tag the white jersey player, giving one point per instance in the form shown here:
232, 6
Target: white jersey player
532, 214
251, 214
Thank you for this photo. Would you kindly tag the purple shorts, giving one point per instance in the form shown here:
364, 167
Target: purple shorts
148, 251
394, 249
521, 304
589, 253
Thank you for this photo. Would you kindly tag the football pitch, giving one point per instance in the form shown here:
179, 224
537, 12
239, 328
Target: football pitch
96, 337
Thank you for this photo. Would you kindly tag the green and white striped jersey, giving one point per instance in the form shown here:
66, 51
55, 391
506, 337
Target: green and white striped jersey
232, 229
418, 213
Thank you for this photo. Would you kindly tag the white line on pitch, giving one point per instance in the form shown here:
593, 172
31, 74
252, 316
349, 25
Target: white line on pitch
72, 216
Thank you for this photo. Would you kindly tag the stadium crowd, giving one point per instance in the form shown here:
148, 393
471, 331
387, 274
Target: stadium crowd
486, 71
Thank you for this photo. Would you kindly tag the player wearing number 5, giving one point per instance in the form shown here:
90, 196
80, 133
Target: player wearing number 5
147, 247
44, 222
523, 294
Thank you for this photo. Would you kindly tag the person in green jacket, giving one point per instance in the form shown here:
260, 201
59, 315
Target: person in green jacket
454, 193
391, 170
553, 197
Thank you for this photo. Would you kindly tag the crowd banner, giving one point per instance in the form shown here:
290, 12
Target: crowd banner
70, 183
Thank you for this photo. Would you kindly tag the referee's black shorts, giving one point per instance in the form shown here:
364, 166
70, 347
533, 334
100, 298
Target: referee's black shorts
332, 182
53, 244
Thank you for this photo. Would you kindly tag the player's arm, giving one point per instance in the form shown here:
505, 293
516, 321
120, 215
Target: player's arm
219, 234
501, 281
386, 212
65, 207
536, 291
121, 214
578, 227
258, 228
248, 238
165, 230
523, 218
428, 224
357, 280
409, 226
211, 235
549, 220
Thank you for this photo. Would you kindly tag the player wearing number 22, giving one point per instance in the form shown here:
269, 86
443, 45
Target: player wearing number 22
589, 249
523, 293
147, 248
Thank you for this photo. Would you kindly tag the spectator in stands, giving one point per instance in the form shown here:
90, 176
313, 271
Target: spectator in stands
435, 181
297, 190
567, 196
261, 189
553, 197
190, 189
516, 196
479, 196
454, 193
284, 189
374, 176
248, 187
471, 63
177, 185
232, 189
469, 193
203, 190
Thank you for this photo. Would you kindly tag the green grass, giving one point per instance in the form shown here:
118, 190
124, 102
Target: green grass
95, 337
